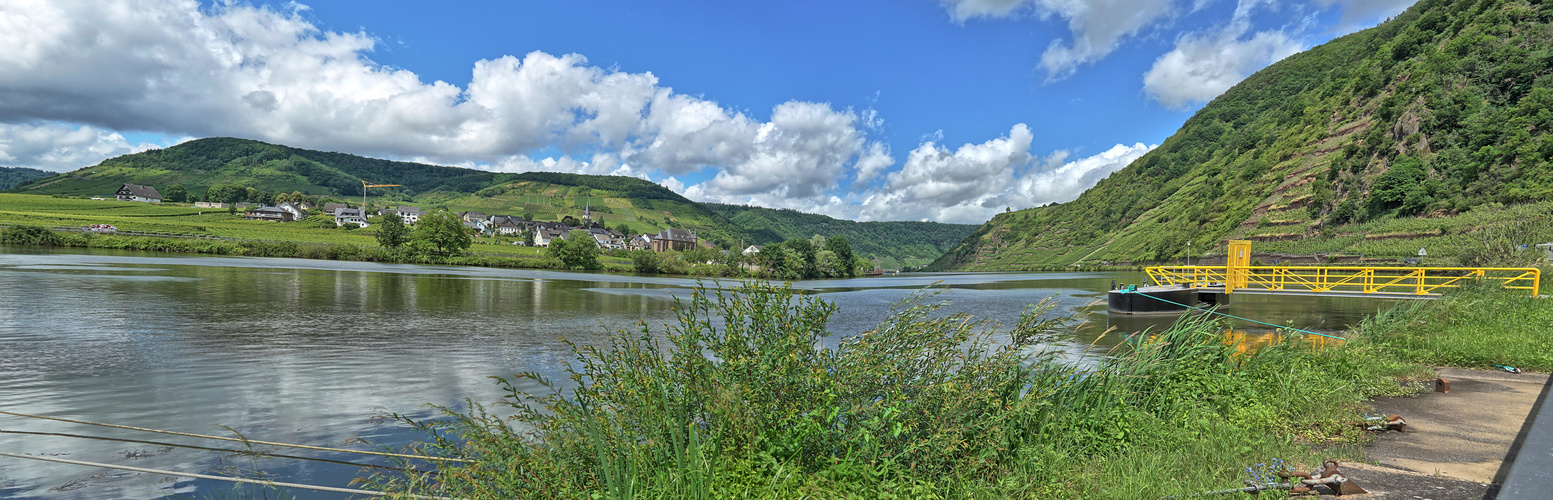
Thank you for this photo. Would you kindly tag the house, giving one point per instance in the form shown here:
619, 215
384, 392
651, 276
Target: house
305, 206
330, 208
343, 216
410, 215
544, 235
1547, 249
136, 192
297, 213
753, 249
481, 226
209, 204
245, 205
506, 225
473, 216
268, 213
607, 239
674, 239
640, 242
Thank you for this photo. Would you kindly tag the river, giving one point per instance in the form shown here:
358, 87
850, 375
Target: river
307, 351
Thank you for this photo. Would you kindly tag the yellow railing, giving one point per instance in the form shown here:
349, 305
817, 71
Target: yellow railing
1355, 280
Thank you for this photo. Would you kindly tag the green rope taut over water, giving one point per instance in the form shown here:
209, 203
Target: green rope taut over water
1134, 290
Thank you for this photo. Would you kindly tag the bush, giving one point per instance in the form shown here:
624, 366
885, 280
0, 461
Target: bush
29, 235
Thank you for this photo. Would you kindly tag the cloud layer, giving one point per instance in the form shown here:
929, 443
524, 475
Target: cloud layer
1204, 65
59, 147
975, 181
73, 74
1098, 26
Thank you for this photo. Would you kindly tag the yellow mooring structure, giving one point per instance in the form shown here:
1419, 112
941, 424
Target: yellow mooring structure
1239, 276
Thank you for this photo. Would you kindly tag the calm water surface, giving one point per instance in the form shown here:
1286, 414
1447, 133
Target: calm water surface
306, 351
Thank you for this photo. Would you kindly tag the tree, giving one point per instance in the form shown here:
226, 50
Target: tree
843, 251
646, 261
577, 251
227, 193
391, 232
442, 229
176, 193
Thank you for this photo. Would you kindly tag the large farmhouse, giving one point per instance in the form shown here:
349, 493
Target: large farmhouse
136, 192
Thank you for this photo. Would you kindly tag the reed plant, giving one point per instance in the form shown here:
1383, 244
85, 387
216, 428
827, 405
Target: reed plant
739, 399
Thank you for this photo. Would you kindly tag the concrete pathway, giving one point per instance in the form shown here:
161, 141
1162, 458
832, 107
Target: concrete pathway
1457, 443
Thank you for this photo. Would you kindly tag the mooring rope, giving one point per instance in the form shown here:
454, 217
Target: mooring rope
269, 443
207, 448
1210, 311
218, 478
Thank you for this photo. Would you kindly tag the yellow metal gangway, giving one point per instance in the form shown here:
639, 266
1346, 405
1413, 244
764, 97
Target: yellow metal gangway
1343, 280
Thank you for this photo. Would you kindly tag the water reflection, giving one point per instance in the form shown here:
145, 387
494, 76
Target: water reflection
307, 351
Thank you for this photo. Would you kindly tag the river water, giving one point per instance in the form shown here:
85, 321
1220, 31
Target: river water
307, 351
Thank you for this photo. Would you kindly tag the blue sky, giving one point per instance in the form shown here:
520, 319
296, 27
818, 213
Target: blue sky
904, 110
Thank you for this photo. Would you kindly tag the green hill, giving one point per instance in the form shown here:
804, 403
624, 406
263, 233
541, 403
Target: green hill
14, 176
199, 165
1430, 130
891, 244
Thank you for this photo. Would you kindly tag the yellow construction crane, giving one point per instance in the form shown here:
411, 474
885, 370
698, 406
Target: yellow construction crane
364, 187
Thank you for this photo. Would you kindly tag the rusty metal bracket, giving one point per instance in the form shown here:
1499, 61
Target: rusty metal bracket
1386, 423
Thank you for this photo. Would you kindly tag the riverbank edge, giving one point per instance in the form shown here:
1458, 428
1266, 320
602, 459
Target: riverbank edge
378, 254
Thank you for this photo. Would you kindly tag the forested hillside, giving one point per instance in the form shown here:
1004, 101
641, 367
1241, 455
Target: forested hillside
1428, 130
892, 244
14, 176
230, 170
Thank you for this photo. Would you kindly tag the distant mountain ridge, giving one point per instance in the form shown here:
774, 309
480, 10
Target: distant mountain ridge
1419, 133
892, 244
14, 176
628, 203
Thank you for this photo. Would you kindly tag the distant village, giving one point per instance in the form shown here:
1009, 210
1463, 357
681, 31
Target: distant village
539, 234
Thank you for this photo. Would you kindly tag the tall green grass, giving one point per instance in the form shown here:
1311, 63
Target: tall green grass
738, 399
1478, 326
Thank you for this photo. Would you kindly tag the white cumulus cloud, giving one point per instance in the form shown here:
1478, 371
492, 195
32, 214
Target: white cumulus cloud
1204, 65
58, 147
975, 181
1098, 26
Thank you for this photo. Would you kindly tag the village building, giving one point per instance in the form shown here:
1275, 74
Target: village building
343, 216
297, 213
269, 214
607, 239
752, 250
410, 215
675, 239
330, 208
473, 216
506, 225
640, 242
544, 235
136, 192
209, 204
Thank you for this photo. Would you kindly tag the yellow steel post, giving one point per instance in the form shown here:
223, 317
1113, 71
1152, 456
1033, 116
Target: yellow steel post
1235, 265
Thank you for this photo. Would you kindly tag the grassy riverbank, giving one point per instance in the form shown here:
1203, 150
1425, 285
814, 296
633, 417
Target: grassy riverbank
1478, 327
928, 407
